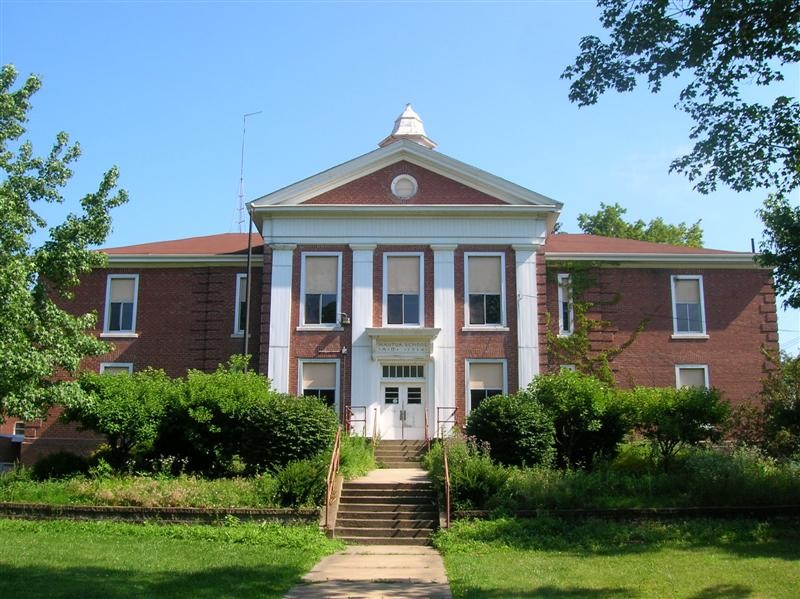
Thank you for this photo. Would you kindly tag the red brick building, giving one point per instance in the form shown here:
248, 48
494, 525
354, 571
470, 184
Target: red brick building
404, 286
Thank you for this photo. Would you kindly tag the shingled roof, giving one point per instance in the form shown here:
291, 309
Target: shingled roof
581, 243
223, 244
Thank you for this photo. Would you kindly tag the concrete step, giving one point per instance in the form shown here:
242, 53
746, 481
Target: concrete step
385, 540
357, 492
417, 499
396, 464
378, 510
424, 486
386, 533
368, 522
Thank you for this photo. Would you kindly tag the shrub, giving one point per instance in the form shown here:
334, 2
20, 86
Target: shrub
126, 409
59, 465
475, 481
357, 457
205, 422
676, 418
590, 418
519, 431
286, 429
781, 397
301, 483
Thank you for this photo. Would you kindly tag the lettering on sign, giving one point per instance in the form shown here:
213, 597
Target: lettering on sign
402, 348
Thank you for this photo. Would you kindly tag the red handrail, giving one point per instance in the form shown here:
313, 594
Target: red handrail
350, 419
333, 470
446, 483
427, 434
445, 415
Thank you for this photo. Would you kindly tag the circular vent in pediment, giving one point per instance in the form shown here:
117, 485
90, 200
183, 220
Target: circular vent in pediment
404, 187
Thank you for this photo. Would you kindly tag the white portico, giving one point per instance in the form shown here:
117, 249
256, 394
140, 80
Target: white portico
432, 282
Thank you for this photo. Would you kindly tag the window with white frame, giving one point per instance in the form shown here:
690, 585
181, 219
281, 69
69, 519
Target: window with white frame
688, 313
240, 311
486, 379
568, 367
19, 428
116, 368
485, 289
691, 375
320, 379
403, 289
120, 312
321, 294
565, 311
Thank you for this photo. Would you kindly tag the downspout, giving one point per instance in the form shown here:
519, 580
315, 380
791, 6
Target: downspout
248, 287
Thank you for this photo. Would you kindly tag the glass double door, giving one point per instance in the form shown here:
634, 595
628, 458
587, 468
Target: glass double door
402, 412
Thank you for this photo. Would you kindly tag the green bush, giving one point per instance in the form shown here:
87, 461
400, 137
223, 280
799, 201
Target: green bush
518, 430
59, 465
356, 457
676, 418
126, 409
475, 481
781, 397
590, 418
204, 423
301, 483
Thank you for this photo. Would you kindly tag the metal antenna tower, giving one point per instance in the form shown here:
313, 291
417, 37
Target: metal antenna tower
241, 171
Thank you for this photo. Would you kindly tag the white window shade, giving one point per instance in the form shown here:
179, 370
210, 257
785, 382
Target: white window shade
692, 377
687, 291
485, 376
322, 274
403, 274
484, 274
242, 289
319, 375
122, 290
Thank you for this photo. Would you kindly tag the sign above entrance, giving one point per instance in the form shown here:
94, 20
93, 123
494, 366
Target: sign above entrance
402, 343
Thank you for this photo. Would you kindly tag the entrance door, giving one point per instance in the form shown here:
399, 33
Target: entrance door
402, 414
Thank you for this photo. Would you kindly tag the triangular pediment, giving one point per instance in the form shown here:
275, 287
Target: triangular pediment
367, 180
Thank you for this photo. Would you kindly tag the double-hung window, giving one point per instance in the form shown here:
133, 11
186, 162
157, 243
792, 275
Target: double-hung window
691, 375
485, 378
321, 293
319, 379
485, 289
688, 314
403, 284
116, 368
120, 312
240, 311
565, 311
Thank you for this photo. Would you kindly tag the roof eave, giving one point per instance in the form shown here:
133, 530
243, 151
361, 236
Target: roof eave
742, 260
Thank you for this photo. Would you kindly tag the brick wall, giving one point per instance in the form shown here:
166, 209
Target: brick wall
375, 188
740, 320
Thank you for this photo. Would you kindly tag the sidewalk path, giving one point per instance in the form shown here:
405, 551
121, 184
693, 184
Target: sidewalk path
377, 572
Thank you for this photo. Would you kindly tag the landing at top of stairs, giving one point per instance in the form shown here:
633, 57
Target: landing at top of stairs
394, 475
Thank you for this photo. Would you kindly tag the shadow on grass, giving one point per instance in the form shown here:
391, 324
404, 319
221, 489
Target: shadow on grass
778, 538
551, 592
724, 591
90, 582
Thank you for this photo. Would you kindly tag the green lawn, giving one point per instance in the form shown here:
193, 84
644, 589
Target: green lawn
110, 560
549, 558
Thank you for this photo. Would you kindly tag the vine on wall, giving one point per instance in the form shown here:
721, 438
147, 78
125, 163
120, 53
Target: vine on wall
576, 348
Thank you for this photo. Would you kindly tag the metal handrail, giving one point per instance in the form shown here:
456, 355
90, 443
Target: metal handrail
374, 427
333, 470
446, 484
350, 418
448, 418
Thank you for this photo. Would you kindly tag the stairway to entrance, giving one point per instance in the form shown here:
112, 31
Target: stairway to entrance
399, 454
388, 507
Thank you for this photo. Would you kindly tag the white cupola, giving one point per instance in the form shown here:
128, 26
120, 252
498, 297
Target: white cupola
408, 126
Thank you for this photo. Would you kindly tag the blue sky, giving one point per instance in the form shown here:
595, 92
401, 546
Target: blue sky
159, 89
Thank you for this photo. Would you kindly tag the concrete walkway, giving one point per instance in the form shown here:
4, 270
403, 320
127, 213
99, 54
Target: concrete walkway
379, 571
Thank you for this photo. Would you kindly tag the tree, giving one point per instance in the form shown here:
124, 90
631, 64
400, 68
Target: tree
781, 247
37, 338
724, 48
781, 398
608, 221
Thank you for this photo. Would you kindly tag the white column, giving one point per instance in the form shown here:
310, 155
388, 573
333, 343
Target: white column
527, 317
363, 380
280, 319
444, 317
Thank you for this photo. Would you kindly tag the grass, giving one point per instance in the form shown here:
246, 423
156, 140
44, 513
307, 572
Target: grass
147, 491
109, 560
550, 558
